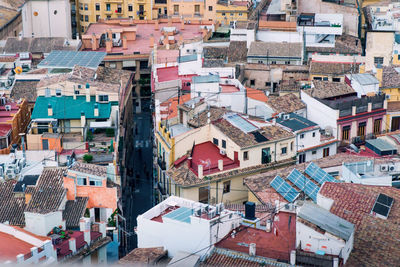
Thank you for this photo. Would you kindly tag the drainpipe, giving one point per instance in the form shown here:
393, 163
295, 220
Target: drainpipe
23, 144
275, 153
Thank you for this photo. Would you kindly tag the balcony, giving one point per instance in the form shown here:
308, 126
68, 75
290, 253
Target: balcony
161, 164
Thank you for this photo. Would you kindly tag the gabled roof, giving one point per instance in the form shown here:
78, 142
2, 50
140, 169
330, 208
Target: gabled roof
333, 68
274, 49
66, 107
144, 256
74, 211
88, 168
37, 45
256, 94
326, 220
287, 103
24, 89
326, 89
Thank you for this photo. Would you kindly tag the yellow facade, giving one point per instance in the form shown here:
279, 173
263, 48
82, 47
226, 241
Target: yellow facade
227, 14
90, 11
186, 9
323, 77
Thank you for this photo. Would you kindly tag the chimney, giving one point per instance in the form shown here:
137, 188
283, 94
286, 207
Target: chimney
72, 245
109, 34
86, 235
94, 42
96, 110
87, 92
124, 43
109, 45
180, 39
182, 25
252, 249
169, 22
204, 32
156, 25
49, 110
200, 171
221, 164
151, 40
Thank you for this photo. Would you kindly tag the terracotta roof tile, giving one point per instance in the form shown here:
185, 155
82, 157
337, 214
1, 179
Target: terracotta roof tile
287, 103
11, 207
202, 118
344, 44
24, 89
390, 77
144, 255
256, 94
332, 68
93, 169
326, 89
74, 211
237, 51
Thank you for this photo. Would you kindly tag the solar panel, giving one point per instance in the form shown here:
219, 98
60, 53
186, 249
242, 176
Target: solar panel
241, 123
68, 59
182, 214
318, 174
304, 184
382, 205
284, 189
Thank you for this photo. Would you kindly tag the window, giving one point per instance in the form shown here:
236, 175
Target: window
260, 62
317, 79
209, 8
215, 141
76, 92
81, 17
245, 155
240, 14
47, 92
291, 146
231, 14
378, 60
301, 136
86, 7
345, 133
81, 6
268, 84
265, 155
361, 129
86, 18
97, 18
325, 78
130, 8
83, 28
94, 182
336, 80
283, 150
325, 152
119, 8
103, 98
302, 158
314, 152
273, 62
223, 144
108, 7
313, 134
377, 126
97, 7
223, 14
252, 82
81, 180
108, 17
227, 187
176, 9
58, 92
287, 62
197, 9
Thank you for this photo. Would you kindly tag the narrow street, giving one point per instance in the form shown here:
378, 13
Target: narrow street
138, 195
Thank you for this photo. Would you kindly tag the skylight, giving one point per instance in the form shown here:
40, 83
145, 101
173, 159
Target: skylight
382, 206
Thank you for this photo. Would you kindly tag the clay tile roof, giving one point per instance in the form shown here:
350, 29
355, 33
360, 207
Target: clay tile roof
344, 44
11, 207
332, 68
24, 89
287, 103
92, 169
36, 45
202, 118
277, 25
376, 240
237, 51
256, 94
144, 256
74, 211
48, 193
390, 77
215, 52
326, 89
275, 49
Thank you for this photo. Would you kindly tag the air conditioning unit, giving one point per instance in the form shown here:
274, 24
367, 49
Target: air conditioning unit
286, 116
222, 152
8, 107
212, 214
197, 212
384, 168
391, 167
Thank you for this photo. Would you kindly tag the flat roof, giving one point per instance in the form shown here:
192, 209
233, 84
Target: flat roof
275, 8
206, 79
326, 220
68, 59
381, 144
364, 78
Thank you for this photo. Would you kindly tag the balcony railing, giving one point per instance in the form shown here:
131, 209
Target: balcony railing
161, 164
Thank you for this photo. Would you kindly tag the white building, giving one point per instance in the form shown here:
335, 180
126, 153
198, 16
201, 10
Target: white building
179, 224
47, 18
322, 232
363, 83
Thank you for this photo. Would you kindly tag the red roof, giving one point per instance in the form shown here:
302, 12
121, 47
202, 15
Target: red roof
172, 106
256, 94
167, 74
268, 244
4, 129
11, 246
229, 88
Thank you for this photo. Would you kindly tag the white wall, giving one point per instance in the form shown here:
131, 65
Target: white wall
319, 113
363, 89
206, 90
279, 37
53, 19
42, 224
243, 35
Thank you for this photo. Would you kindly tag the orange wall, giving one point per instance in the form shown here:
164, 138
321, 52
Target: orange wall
54, 144
99, 196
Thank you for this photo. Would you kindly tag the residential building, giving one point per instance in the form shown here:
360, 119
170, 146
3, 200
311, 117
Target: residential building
321, 232
144, 256
289, 103
363, 83
179, 224
348, 9
337, 109
227, 12
365, 206
39, 204
223, 152
95, 186
25, 89
378, 50
282, 10
320, 30
275, 53
11, 22
14, 120
23, 247
47, 19
310, 143
188, 10
334, 72
382, 17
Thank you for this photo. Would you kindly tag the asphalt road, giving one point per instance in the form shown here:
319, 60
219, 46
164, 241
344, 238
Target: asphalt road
138, 194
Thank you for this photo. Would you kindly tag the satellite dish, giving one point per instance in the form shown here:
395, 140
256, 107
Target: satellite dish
18, 70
